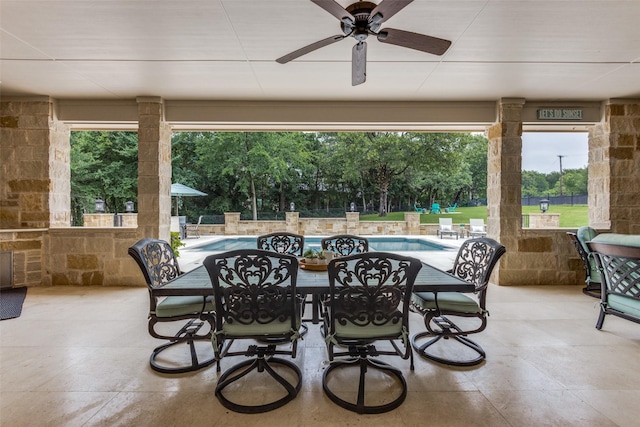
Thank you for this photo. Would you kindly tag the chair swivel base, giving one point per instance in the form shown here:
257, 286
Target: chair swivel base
422, 349
261, 364
195, 365
359, 406
187, 335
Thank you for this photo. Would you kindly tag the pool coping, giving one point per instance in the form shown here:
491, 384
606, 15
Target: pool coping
443, 259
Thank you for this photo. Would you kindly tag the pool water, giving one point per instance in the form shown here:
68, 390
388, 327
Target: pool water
385, 244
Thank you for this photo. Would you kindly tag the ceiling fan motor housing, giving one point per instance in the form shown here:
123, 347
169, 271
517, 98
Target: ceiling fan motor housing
362, 27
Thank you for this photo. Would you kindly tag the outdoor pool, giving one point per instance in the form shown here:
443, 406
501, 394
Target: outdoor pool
385, 244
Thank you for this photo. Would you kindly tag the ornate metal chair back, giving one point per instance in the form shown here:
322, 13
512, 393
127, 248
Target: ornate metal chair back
156, 260
345, 244
475, 261
252, 286
282, 243
371, 288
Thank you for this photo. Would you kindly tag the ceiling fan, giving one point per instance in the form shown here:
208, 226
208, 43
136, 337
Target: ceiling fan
364, 18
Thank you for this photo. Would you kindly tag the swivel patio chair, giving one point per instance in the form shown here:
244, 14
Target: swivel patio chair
159, 265
368, 302
255, 296
474, 263
282, 242
345, 244
593, 278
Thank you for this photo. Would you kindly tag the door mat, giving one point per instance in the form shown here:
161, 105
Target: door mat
11, 300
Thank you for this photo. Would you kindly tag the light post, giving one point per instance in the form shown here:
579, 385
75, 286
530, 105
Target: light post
352, 207
292, 207
128, 206
99, 205
544, 205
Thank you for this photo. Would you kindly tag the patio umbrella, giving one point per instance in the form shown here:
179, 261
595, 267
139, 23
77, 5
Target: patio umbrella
179, 190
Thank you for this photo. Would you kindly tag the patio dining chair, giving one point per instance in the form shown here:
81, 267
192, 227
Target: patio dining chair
255, 300
282, 242
474, 263
345, 244
368, 302
159, 265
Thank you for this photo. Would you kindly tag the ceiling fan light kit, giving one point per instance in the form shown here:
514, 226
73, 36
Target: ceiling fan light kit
362, 19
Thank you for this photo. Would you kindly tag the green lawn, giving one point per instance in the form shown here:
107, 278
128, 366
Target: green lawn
570, 216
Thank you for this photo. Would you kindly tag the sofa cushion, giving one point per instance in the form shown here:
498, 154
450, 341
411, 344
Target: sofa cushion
618, 239
626, 305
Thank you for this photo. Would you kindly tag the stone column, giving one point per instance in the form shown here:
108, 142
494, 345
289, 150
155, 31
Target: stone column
154, 169
413, 222
292, 220
504, 175
231, 223
353, 222
614, 168
34, 165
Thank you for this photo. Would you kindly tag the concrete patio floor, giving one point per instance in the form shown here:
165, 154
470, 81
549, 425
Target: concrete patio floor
78, 356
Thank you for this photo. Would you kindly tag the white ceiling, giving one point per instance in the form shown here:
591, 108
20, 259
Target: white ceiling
226, 49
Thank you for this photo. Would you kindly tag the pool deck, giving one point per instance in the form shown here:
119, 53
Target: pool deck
190, 259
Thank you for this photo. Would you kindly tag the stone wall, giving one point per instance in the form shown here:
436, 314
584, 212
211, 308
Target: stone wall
29, 248
545, 220
92, 256
107, 220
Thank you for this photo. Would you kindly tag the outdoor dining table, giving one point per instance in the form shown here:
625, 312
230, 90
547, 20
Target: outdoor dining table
314, 282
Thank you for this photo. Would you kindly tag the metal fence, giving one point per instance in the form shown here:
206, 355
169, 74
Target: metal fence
573, 199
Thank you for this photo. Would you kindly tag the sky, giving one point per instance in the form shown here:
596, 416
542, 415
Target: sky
540, 151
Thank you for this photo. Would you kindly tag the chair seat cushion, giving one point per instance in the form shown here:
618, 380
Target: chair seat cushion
182, 305
447, 301
350, 330
275, 327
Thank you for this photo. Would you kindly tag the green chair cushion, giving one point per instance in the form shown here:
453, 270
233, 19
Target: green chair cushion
618, 239
253, 329
447, 301
350, 330
624, 304
181, 305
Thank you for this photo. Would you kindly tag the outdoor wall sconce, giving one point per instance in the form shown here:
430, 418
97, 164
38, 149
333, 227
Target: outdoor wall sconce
99, 205
544, 205
292, 207
129, 206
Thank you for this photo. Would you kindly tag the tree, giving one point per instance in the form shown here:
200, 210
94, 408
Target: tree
254, 162
104, 165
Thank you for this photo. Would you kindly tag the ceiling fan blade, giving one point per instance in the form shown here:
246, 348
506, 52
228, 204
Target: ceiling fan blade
386, 9
359, 63
310, 48
415, 41
335, 9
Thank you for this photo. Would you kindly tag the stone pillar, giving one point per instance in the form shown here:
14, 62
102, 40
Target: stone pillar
291, 221
614, 169
231, 223
353, 222
34, 165
154, 169
504, 175
413, 222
